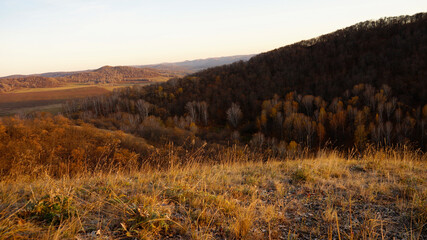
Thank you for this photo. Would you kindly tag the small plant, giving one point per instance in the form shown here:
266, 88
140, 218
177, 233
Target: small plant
300, 175
244, 219
50, 209
143, 220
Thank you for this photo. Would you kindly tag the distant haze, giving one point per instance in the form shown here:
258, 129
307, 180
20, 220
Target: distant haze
181, 68
199, 64
54, 35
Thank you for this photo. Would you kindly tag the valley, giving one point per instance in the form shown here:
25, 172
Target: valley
325, 138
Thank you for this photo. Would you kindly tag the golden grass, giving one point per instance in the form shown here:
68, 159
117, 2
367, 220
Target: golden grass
49, 108
109, 87
64, 87
68, 93
378, 196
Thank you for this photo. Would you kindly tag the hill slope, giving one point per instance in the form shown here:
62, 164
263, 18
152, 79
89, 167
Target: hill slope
363, 84
109, 74
389, 51
104, 74
378, 196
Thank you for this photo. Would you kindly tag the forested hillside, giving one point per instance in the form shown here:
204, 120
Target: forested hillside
104, 74
365, 84
10, 84
390, 51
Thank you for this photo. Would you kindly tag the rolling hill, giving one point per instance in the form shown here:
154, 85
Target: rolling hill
106, 74
390, 51
363, 84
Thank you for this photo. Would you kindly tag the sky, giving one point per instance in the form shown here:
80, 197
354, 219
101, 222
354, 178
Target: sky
39, 36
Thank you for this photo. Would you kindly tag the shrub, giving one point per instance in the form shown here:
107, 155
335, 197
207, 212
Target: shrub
50, 209
300, 175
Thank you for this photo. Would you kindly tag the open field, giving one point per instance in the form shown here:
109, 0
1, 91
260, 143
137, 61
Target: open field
65, 87
382, 195
11, 103
50, 99
31, 106
51, 95
82, 85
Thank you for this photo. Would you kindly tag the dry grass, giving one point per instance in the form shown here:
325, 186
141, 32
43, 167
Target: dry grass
28, 100
63, 87
107, 86
25, 102
68, 93
379, 196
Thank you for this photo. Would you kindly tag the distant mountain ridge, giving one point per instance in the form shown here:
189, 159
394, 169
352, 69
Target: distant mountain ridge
185, 66
108, 74
199, 64
48, 74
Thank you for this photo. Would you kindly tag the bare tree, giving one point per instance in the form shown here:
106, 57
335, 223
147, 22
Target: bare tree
377, 132
143, 108
310, 129
408, 125
257, 140
389, 108
133, 120
279, 123
191, 109
388, 131
351, 113
182, 122
202, 108
369, 91
234, 114
422, 126
380, 111
387, 90
398, 115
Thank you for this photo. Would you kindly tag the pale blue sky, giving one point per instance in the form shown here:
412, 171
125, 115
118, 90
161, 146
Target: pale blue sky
58, 35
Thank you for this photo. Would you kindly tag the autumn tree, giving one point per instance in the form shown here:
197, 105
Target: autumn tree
143, 108
360, 136
234, 114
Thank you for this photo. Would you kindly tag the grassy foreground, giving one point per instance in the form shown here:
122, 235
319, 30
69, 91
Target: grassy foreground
380, 196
